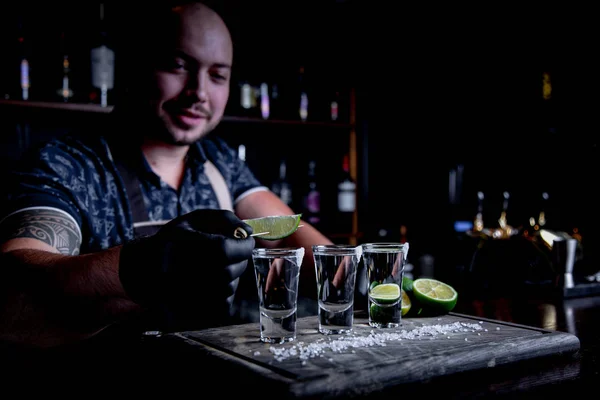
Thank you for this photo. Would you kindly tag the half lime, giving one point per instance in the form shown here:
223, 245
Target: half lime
435, 294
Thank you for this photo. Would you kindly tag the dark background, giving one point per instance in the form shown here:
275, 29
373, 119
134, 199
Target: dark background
438, 89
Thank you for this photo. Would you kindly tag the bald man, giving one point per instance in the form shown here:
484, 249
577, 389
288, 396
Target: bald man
132, 222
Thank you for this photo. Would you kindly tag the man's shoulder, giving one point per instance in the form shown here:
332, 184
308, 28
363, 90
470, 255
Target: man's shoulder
216, 144
73, 143
216, 148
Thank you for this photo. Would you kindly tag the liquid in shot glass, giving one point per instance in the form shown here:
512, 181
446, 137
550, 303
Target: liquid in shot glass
277, 273
336, 267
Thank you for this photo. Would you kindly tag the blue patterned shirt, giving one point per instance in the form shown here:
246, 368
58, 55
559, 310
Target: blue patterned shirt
76, 174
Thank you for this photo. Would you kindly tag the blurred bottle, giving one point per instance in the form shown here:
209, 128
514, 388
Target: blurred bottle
312, 197
275, 106
265, 101
24, 60
303, 98
282, 187
549, 112
65, 92
535, 224
334, 107
478, 224
346, 198
247, 99
543, 208
102, 61
346, 189
505, 230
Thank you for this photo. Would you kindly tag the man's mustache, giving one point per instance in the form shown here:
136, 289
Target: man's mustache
195, 108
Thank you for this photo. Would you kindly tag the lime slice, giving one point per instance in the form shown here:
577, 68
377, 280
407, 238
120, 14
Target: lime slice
274, 227
385, 293
406, 303
435, 294
407, 284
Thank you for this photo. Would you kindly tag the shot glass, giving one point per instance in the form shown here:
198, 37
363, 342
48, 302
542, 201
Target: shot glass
277, 272
384, 263
335, 267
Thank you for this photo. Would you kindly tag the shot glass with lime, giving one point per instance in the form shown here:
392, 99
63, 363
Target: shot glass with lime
384, 263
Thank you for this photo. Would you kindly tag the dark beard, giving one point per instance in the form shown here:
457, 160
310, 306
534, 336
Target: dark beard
154, 128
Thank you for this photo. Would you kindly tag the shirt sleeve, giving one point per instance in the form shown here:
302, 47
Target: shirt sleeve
44, 177
62, 174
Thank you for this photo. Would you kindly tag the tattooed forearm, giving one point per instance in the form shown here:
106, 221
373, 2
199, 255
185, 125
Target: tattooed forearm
52, 227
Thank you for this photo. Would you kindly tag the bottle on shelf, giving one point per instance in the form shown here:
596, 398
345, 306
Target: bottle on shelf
505, 230
246, 94
478, 224
543, 207
346, 189
24, 60
265, 101
312, 197
536, 224
303, 104
102, 61
549, 111
334, 107
253, 100
282, 187
65, 92
275, 102
346, 198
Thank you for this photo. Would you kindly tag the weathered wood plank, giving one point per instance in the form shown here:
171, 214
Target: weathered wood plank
371, 360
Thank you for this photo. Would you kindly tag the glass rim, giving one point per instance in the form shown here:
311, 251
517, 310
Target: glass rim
275, 251
383, 246
339, 249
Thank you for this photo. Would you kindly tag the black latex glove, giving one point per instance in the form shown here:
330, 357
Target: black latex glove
190, 268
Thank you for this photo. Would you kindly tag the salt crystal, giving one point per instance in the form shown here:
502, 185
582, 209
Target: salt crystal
374, 338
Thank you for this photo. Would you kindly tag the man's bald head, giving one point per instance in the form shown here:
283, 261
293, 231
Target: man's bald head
144, 37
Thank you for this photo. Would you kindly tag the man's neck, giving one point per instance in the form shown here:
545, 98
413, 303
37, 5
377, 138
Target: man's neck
166, 160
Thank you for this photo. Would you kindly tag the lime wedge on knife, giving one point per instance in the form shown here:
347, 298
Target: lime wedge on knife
274, 227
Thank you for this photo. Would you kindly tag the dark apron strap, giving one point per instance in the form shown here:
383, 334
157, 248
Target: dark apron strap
155, 321
139, 212
134, 194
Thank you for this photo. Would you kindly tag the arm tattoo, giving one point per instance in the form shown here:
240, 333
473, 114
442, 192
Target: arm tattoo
52, 227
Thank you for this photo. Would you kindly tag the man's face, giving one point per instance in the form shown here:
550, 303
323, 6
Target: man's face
191, 78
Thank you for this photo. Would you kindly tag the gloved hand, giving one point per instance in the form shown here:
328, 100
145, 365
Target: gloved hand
190, 268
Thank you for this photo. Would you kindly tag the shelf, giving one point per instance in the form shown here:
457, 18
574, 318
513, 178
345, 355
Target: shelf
85, 107
96, 108
230, 118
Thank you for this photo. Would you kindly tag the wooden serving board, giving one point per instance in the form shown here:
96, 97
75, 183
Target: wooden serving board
420, 350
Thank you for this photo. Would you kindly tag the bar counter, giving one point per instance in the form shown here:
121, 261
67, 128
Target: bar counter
167, 365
